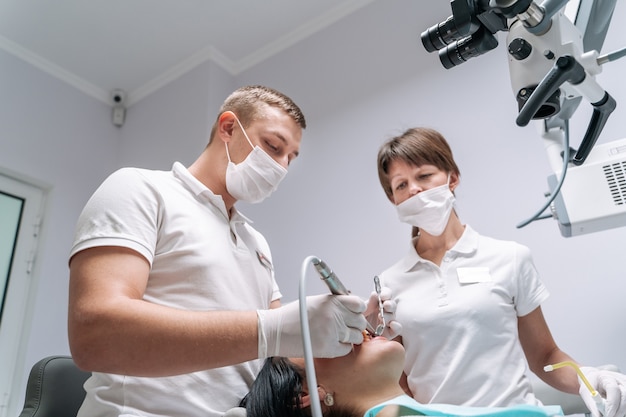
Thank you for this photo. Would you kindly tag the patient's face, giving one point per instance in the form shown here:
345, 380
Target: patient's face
369, 363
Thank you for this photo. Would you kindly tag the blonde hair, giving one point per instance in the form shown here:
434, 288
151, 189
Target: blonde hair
247, 103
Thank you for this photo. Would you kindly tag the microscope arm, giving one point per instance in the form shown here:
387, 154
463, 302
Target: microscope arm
568, 69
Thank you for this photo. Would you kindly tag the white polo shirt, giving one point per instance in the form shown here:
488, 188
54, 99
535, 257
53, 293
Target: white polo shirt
459, 321
200, 260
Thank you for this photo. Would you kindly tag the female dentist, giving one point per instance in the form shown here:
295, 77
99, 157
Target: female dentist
469, 305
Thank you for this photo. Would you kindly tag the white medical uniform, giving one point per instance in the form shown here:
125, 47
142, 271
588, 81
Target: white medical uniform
459, 321
200, 260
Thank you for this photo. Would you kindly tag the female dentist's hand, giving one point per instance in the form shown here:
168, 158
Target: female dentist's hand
393, 329
611, 386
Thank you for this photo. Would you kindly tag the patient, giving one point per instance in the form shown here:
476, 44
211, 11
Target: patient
363, 383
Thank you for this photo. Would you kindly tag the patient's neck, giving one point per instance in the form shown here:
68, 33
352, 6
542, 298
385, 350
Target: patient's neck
395, 411
384, 393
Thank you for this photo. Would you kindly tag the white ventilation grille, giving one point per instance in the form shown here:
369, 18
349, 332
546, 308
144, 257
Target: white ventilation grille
616, 179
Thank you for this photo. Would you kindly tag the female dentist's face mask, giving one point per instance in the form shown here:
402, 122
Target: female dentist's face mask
429, 210
256, 177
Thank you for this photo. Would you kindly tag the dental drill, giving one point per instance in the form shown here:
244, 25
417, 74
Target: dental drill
336, 287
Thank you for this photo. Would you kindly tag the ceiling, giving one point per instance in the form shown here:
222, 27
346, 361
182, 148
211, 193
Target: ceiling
140, 45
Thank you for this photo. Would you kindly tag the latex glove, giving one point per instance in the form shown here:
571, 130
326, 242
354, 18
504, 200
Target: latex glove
610, 385
372, 313
235, 412
335, 323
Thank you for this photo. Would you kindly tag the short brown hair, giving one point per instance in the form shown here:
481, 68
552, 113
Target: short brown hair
416, 146
247, 102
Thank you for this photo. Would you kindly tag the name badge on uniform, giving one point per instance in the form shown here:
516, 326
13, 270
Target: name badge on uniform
473, 275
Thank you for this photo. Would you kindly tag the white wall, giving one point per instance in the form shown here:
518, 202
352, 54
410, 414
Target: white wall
359, 82
63, 141
174, 123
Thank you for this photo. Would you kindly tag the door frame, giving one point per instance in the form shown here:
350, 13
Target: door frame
21, 287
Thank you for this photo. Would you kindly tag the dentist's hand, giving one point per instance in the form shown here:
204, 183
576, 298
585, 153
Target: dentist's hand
393, 329
610, 385
335, 322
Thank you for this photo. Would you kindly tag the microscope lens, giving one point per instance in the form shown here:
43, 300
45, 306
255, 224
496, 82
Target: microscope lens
440, 35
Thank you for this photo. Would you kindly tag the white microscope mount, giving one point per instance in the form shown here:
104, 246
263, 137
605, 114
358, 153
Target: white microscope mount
553, 63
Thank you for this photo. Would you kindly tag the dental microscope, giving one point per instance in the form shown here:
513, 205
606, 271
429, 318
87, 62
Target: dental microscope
552, 64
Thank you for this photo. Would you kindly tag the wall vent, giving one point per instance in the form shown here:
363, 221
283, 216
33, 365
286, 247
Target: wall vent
616, 180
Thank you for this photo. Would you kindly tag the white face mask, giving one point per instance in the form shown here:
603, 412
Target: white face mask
256, 177
428, 210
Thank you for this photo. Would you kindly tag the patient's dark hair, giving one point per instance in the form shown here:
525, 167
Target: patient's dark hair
276, 392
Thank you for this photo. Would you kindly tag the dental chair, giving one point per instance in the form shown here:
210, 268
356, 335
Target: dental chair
54, 388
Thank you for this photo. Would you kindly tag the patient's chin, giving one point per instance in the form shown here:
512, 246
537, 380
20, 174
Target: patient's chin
380, 348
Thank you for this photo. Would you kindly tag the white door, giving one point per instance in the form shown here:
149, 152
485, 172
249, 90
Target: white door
21, 207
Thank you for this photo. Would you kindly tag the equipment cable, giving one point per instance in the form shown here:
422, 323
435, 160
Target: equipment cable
311, 379
566, 156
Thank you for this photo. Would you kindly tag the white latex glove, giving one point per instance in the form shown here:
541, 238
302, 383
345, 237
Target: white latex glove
335, 322
372, 313
235, 412
610, 385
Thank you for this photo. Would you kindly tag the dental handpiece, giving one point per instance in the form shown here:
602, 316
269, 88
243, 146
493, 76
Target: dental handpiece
335, 286
328, 276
